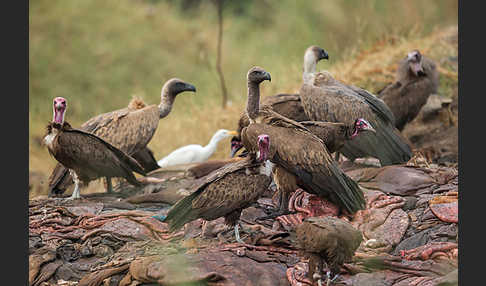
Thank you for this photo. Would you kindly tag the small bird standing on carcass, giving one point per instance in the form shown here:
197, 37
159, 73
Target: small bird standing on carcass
416, 79
330, 240
226, 191
129, 129
195, 153
87, 156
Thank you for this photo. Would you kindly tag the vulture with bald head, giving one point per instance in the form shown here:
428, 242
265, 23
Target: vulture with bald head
130, 129
300, 158
416, 79
226, 191
84, 154
326, 99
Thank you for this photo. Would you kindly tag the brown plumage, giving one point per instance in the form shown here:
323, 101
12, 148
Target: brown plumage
328, 99
327, 239
225, 192
298, 151
416, 79
85, 154
287, 105
130, 129
335, 134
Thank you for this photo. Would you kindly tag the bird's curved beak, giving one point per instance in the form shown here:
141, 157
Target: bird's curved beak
324, 55
267, 76
190, 87
369, 128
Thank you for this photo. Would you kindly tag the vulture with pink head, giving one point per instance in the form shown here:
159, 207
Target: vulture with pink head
85, 155
130, 129
226, 191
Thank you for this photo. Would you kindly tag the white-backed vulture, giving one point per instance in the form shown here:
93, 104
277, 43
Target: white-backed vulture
300, 155
328, 99
195, 153
327, 240
226, 191
87, 156
130, 129
416, 79
287, 105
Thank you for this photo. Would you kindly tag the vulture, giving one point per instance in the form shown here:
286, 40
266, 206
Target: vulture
335, 134
327, 99
87, 156
129, 129
300, 158
226, 191
195, 153
416, 78
287, 105
330, 240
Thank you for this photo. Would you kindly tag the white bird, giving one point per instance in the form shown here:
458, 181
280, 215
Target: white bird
195, 153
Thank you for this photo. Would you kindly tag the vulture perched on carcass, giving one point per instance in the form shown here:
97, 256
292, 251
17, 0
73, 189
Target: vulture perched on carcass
86, 156
195, 153
328, 99
300, 158
226, 191
327, 240
287, 105
416, 79
335, 134
130, 129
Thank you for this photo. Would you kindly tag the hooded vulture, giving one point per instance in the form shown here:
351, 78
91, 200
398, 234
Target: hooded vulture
328, 99
130, 129
226, 191
300, 157
335, 134
195, 153
416, 79
87, 156
327, 240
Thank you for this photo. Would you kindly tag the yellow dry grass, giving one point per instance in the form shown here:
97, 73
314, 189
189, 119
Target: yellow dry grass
371, 69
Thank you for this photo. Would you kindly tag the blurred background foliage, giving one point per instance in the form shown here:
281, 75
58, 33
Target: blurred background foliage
98, 54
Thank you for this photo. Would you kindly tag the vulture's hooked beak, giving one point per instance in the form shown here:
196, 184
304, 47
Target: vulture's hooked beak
190, 87
236, 145
417, 69
369, 128
323, 55
267, 76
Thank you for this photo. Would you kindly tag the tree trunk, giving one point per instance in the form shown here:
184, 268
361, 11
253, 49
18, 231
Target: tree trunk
219, 3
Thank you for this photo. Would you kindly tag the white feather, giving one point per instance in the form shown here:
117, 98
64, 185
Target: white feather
194, 153
50, 137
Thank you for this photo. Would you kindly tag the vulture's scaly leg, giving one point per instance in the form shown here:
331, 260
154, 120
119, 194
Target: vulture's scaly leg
237, 234
109, 185
336, 156
75, 194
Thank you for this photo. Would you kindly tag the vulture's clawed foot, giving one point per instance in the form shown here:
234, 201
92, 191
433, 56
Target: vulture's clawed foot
329, 279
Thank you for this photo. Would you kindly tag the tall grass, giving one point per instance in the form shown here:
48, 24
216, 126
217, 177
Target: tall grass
98, 54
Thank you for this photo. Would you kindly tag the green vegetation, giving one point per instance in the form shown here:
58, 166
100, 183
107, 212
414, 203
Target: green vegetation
98, 54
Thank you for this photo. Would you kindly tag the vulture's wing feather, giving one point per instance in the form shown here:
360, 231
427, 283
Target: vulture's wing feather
332, 133
306, 156
103, 157
221, 192
337, 104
